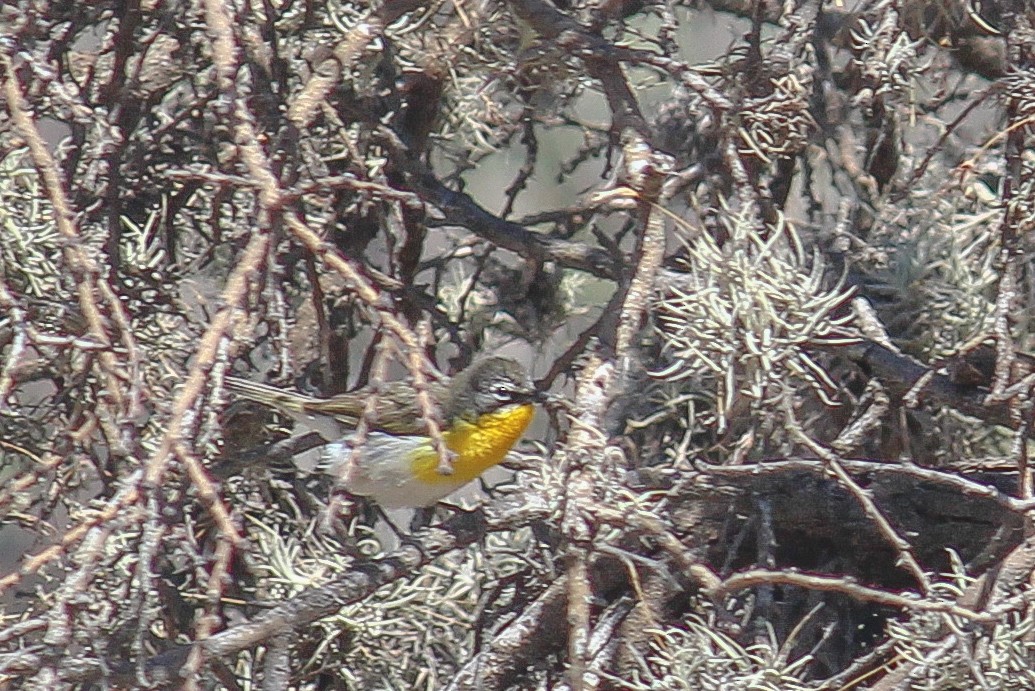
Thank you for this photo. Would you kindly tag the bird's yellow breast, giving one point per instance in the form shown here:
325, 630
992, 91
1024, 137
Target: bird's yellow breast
478, 445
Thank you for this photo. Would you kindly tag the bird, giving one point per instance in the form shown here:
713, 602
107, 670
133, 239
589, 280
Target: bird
486, 409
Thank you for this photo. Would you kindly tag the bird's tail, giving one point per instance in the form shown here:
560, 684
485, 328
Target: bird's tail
268, 395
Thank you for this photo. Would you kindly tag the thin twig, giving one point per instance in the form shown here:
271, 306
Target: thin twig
905, 551
765, 577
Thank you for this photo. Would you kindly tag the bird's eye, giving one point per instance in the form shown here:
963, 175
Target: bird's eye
501, 391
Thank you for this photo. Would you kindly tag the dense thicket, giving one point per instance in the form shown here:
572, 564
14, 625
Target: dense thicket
771, 259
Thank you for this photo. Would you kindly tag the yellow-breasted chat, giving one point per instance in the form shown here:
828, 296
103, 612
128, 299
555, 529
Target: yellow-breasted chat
486, 408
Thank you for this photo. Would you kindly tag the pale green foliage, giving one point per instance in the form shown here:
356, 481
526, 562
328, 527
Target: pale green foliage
940, 277
29, 243
740, 315
886, 56
972, 657
411, 634
698, 657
